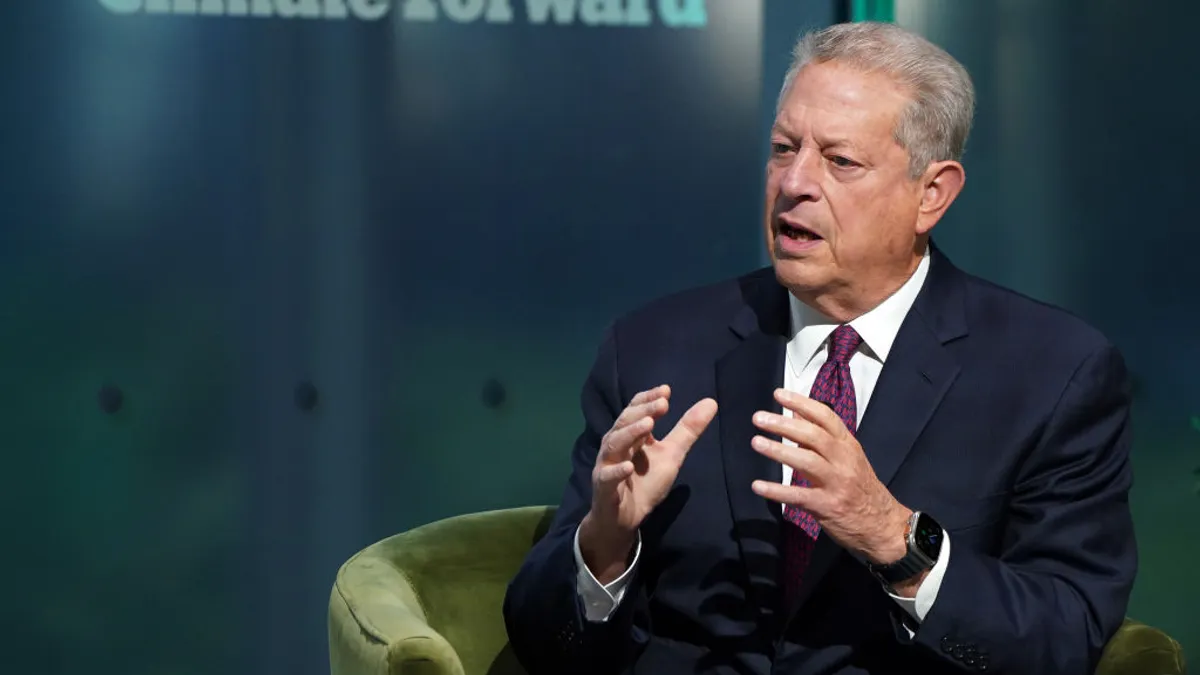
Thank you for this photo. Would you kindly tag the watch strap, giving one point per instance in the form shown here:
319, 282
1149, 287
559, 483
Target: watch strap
913, 563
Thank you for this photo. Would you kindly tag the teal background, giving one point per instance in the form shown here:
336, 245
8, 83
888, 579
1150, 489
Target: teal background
427, 226
1079, 193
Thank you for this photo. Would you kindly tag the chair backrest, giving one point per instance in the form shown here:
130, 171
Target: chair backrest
460, 568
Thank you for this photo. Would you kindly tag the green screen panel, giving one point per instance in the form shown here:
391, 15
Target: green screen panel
872, 10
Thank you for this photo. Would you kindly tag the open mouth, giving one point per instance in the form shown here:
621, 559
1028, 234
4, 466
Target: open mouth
796, 232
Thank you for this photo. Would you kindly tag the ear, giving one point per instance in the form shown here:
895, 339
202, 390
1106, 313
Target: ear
941, 183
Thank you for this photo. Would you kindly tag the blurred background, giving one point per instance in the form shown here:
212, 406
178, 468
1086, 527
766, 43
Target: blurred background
276, 287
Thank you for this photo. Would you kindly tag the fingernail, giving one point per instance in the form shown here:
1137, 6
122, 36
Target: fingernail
761, 418
758, 442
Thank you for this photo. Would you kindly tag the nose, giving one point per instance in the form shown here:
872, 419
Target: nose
799, 180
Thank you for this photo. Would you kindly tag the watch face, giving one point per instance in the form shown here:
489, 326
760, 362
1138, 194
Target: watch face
928, 536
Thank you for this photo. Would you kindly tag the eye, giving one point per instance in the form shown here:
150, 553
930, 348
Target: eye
843, 162
779, 148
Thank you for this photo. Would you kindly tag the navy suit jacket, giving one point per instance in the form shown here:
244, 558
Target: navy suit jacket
1004, 418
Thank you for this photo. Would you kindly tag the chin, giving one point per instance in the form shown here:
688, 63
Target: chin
799, 275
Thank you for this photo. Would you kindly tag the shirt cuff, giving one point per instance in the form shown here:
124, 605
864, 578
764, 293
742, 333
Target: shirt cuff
600, 601
918, 607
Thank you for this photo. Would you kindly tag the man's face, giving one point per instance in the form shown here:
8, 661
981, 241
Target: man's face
843, 216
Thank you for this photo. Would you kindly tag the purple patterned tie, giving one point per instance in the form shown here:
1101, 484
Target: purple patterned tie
834, 388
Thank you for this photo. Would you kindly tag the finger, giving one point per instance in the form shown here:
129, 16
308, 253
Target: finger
817, 412
618, 442
800, 431
802, 460
614, 473
691, 425
661, 391
796, 495
653, 408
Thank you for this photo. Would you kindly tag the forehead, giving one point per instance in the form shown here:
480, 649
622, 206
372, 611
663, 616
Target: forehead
838, 99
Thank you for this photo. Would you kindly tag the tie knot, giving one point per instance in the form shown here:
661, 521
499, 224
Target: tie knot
842, 344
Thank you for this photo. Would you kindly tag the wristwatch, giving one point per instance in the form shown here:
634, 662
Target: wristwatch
923, 538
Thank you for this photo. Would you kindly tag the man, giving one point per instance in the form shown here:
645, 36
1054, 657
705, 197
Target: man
911, 470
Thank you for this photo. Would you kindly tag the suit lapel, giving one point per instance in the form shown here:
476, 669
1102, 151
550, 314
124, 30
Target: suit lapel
746, 379
910, 387
918, 371
916, 376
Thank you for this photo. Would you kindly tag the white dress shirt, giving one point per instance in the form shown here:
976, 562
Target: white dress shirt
806, 352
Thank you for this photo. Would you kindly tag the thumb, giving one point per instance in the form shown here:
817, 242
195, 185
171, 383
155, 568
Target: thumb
691, 425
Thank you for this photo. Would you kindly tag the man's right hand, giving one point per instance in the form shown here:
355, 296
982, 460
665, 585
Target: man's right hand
633, 474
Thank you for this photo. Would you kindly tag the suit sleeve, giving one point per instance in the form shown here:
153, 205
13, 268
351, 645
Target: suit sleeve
543, 611
1060, 588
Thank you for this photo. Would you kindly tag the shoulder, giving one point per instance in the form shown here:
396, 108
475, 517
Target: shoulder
1016, 326
994, 305
673, 337
698, 310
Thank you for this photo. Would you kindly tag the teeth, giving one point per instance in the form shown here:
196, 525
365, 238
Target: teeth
797, 233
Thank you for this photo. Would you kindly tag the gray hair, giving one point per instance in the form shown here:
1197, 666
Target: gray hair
935, 125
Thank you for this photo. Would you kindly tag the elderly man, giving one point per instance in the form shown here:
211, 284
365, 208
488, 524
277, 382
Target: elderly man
859, 460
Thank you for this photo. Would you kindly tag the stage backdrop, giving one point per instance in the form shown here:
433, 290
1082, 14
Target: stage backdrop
279, 278
282, 277
1080, 192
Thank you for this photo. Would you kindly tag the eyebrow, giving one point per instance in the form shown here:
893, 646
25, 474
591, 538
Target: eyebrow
827, 143
840, 143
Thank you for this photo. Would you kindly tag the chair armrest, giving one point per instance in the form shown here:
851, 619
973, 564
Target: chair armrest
1138, 649
378, 627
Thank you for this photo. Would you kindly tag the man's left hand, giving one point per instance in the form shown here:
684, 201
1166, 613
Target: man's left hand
844, 495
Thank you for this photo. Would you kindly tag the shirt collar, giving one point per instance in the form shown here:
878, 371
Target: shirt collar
878, 327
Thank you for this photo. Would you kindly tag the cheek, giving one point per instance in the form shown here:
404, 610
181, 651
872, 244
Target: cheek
846, 214
855, 243
867, 223
898, 223
772, 181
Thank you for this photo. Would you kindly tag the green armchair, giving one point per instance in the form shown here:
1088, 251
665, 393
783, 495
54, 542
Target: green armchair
427, 602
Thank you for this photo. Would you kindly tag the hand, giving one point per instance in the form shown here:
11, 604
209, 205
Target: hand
633, 474
845, 496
